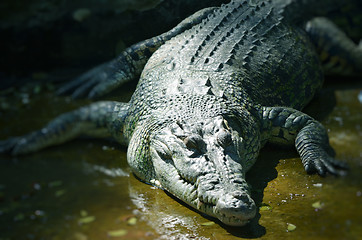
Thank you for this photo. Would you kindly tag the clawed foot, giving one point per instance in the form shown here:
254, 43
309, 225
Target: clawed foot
9, 145
94, 83
317, 155
322, 163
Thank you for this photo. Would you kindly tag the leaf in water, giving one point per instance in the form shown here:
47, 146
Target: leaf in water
117, 233
318, 185
85, 220
55, 183
207, 223
83, 213
291, 227
318, 205
132, 221
265, 207
60, 193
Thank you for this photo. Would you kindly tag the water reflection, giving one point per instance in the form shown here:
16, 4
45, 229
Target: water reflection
168, 220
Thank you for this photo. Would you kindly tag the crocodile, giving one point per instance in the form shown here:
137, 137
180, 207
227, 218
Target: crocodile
211, 93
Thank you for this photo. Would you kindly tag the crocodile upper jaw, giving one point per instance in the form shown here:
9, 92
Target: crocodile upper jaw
203, 168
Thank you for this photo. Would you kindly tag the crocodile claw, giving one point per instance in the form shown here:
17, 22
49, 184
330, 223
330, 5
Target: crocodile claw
88, 83
7, 146
323, 164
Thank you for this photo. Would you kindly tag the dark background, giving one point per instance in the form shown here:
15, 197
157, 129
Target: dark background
55, 40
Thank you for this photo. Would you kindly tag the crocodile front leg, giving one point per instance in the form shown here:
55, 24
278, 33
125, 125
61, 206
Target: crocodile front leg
128, 65
287, 126
99, 119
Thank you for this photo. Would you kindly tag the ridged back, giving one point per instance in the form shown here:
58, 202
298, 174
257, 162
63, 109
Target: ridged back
242, 52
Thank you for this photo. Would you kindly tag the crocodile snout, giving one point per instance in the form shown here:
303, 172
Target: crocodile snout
235, 208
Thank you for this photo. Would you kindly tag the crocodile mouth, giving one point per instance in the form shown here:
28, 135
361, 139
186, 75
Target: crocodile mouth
233, 209
202, 167
213, 201
219, 206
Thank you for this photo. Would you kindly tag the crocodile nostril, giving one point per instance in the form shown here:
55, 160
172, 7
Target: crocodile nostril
240, 206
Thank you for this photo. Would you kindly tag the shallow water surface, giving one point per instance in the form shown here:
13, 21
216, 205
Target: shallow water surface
84, 189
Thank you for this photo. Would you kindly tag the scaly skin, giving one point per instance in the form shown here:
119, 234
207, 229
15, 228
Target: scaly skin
212, 92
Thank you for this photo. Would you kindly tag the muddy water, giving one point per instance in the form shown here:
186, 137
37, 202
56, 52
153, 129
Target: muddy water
84, 189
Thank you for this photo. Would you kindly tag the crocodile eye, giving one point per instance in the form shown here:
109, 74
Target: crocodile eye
223, 138
194, 142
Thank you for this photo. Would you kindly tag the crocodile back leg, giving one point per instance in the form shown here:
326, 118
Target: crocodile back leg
100, 119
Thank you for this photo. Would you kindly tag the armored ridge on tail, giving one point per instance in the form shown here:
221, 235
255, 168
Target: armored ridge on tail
212, 92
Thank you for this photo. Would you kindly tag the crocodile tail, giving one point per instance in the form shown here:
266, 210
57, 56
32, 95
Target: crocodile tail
300, 11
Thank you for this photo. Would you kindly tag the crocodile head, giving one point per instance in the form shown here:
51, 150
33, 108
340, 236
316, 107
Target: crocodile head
204, 165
